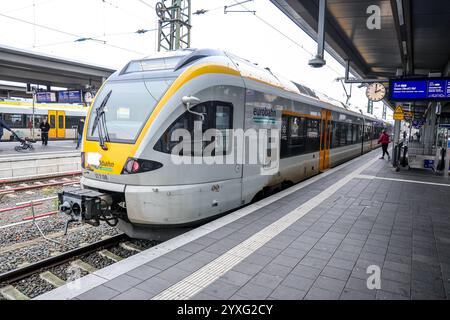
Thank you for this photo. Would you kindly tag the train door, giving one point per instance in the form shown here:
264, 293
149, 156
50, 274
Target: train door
52, 122
60, 124
325, 133
57, 121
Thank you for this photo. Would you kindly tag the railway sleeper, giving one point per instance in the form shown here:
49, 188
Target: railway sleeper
108, 254
51, 278
83, 266
129, 246
11, 293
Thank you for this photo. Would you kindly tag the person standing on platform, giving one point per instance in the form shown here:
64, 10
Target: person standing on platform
45, 128
384, 140
80, 132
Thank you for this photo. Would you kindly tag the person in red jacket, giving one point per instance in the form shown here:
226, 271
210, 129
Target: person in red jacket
384, 140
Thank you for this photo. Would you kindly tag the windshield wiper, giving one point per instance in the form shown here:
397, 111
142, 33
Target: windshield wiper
100, 118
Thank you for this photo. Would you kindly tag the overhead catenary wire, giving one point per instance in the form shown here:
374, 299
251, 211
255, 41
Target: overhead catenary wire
115, 6
96, 38
67, 33
146, 4
286, 36
28, 6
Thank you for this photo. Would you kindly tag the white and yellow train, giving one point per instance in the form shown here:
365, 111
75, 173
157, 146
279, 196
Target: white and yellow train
63, 119
129, 176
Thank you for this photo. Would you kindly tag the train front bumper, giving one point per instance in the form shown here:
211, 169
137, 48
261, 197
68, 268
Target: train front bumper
173, 205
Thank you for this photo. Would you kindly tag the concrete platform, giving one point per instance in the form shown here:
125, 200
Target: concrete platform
53, 147
59, 157
315, 240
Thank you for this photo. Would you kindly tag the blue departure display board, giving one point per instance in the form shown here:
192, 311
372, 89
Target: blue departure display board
45, 97
71, 96
63, 96
419, 89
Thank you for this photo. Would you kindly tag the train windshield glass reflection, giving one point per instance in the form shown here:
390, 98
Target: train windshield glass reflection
128, 108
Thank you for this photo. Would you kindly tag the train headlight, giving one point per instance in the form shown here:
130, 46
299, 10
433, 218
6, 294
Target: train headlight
133, 165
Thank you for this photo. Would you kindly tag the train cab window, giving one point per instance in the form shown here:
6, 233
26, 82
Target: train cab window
127, 105
217, 115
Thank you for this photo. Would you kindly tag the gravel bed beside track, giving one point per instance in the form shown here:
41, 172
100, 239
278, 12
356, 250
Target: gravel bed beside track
33, 286
121, 252
9, 201
144, 244
12, 259
63, 272
96, 260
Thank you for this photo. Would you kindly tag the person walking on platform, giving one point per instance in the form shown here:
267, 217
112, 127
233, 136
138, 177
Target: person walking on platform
45, 128
384, 140
3, 125
80, 132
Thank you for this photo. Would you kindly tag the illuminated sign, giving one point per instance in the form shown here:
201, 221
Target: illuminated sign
45, 97
68, 96
419, 89
71, 96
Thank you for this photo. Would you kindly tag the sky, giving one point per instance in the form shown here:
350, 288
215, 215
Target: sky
282, 46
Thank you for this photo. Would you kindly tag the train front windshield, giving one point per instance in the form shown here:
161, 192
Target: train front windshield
126, 107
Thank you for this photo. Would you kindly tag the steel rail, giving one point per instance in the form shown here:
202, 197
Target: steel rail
24, 272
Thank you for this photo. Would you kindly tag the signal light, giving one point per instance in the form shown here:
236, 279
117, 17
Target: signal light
133, 165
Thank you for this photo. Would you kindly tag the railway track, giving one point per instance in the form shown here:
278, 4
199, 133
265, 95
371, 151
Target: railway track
26, 201
37, 278
9, 186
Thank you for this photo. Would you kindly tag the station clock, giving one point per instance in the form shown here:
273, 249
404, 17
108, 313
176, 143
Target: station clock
376, 91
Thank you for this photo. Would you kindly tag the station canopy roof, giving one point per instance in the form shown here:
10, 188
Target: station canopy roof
24, 66
412, 40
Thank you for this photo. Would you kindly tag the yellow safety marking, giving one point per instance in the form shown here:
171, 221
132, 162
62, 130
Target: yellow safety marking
43, 105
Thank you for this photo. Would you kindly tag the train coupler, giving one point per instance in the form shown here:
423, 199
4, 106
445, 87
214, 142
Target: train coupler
86, 205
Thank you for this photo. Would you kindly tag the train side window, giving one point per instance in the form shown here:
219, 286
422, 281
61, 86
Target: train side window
52, 121
312, 135
335, 135
284, 152
349, 134
343, 134
217, 115
60, 122
72, 122
296, 136
14, 120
